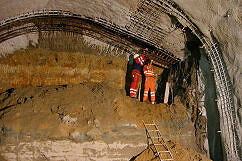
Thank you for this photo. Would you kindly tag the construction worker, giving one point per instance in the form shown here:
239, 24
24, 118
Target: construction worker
136, 74
149, 82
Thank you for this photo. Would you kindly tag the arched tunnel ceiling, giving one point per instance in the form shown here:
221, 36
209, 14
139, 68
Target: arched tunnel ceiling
56, 20
149, 27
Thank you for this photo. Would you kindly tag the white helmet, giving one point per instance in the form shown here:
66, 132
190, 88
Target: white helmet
136, 56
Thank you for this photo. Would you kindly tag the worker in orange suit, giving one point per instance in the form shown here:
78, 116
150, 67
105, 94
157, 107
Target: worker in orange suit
149, 82
139, 60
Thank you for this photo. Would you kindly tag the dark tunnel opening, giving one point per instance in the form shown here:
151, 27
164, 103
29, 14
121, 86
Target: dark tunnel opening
182, 76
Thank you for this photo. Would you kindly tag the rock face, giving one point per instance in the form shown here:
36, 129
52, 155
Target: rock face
36, 67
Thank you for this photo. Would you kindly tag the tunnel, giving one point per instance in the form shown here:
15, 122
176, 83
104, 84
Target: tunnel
70, 68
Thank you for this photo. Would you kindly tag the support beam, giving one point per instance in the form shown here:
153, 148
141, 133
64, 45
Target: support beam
167, 91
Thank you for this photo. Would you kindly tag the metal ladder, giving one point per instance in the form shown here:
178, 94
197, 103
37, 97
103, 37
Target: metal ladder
156, 142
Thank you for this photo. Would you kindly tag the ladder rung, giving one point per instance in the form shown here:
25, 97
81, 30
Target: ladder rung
164, 151
156, 137
150, 124
152, 130
158, 144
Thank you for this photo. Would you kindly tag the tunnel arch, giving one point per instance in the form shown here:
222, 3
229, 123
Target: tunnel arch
98, 28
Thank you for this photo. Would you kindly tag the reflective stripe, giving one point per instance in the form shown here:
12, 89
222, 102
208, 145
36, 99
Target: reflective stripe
148, 71
152, 92
145, 94
139, 60
145, 91
142, 59
152, 95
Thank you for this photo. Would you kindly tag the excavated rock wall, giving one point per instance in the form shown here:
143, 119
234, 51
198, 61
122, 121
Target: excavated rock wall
39, 67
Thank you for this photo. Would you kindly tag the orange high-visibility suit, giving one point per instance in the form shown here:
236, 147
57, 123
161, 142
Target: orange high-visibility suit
149, 83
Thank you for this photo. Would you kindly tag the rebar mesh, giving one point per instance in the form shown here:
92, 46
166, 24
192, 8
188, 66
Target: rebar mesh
228, 121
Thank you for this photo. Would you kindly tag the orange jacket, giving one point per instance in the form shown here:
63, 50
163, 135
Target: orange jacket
148, 71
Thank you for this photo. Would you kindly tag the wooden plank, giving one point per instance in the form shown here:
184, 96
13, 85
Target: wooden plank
167, 92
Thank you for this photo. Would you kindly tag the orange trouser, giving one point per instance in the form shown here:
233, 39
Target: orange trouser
149, 84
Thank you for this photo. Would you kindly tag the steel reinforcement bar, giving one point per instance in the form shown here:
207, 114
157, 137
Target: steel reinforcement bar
10, 27
228, 123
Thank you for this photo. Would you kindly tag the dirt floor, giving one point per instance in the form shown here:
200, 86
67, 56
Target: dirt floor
179, 153
85, 112
63, 110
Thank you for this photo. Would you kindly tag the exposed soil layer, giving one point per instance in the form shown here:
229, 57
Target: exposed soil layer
38, 67
62, 110
56, 100
84, 113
